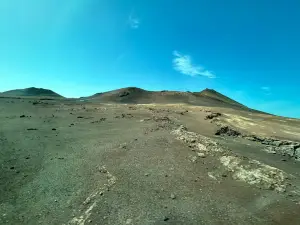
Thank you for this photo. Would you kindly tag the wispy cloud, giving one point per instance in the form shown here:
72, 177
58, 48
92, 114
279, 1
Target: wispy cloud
266, 90
134, 22
184, 65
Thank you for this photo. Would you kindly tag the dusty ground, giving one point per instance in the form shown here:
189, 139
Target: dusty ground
72, 162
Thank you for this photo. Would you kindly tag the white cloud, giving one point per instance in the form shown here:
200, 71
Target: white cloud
266, 90
183, 64
134, 22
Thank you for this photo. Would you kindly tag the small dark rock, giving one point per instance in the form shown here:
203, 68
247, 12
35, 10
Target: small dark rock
212, 115
166, 218
173, 196
79, 117
12, 167
226, 130
123, 94
22, 116
31, 128
53, 129
102, 170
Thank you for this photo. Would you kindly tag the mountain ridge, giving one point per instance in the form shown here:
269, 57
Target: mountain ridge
135, 95
31, 92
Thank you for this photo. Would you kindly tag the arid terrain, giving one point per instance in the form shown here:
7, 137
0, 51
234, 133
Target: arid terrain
136, 157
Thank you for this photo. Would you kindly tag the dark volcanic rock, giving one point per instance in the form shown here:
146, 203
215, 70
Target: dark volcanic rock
212, 115
31, 128
226, 130
283, 147
123, 94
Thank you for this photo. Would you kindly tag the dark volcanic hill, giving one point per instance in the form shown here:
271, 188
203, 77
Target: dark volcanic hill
133, 95
32, 91
210, 93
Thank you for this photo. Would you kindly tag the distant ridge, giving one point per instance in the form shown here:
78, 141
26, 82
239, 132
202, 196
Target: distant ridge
32, 91
211, 93
134, 95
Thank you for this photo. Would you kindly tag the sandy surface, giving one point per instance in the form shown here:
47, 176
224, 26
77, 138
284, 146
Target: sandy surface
72, 162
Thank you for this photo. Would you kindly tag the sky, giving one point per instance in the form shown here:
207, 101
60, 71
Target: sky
248, 50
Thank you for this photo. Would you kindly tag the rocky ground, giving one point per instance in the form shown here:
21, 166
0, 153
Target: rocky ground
77, 162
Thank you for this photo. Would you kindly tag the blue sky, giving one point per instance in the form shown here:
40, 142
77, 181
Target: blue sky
248, 50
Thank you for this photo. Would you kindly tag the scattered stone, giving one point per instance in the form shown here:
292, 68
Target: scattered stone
289, 150
31, 128
79, 117
270, 149
166, 218
128, 115
72, 124
173, 196
53, 129
226, 130
212, 115
132, 108
123, 94
90, 221
28, 157
256, 173
162, 119
128, 221
275, 146
194, 159
201, 154
102, 169
22, 116
124, 146
277, 143
99, 121
146, 174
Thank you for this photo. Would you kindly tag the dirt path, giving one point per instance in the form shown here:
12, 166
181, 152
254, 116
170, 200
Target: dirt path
65, 162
